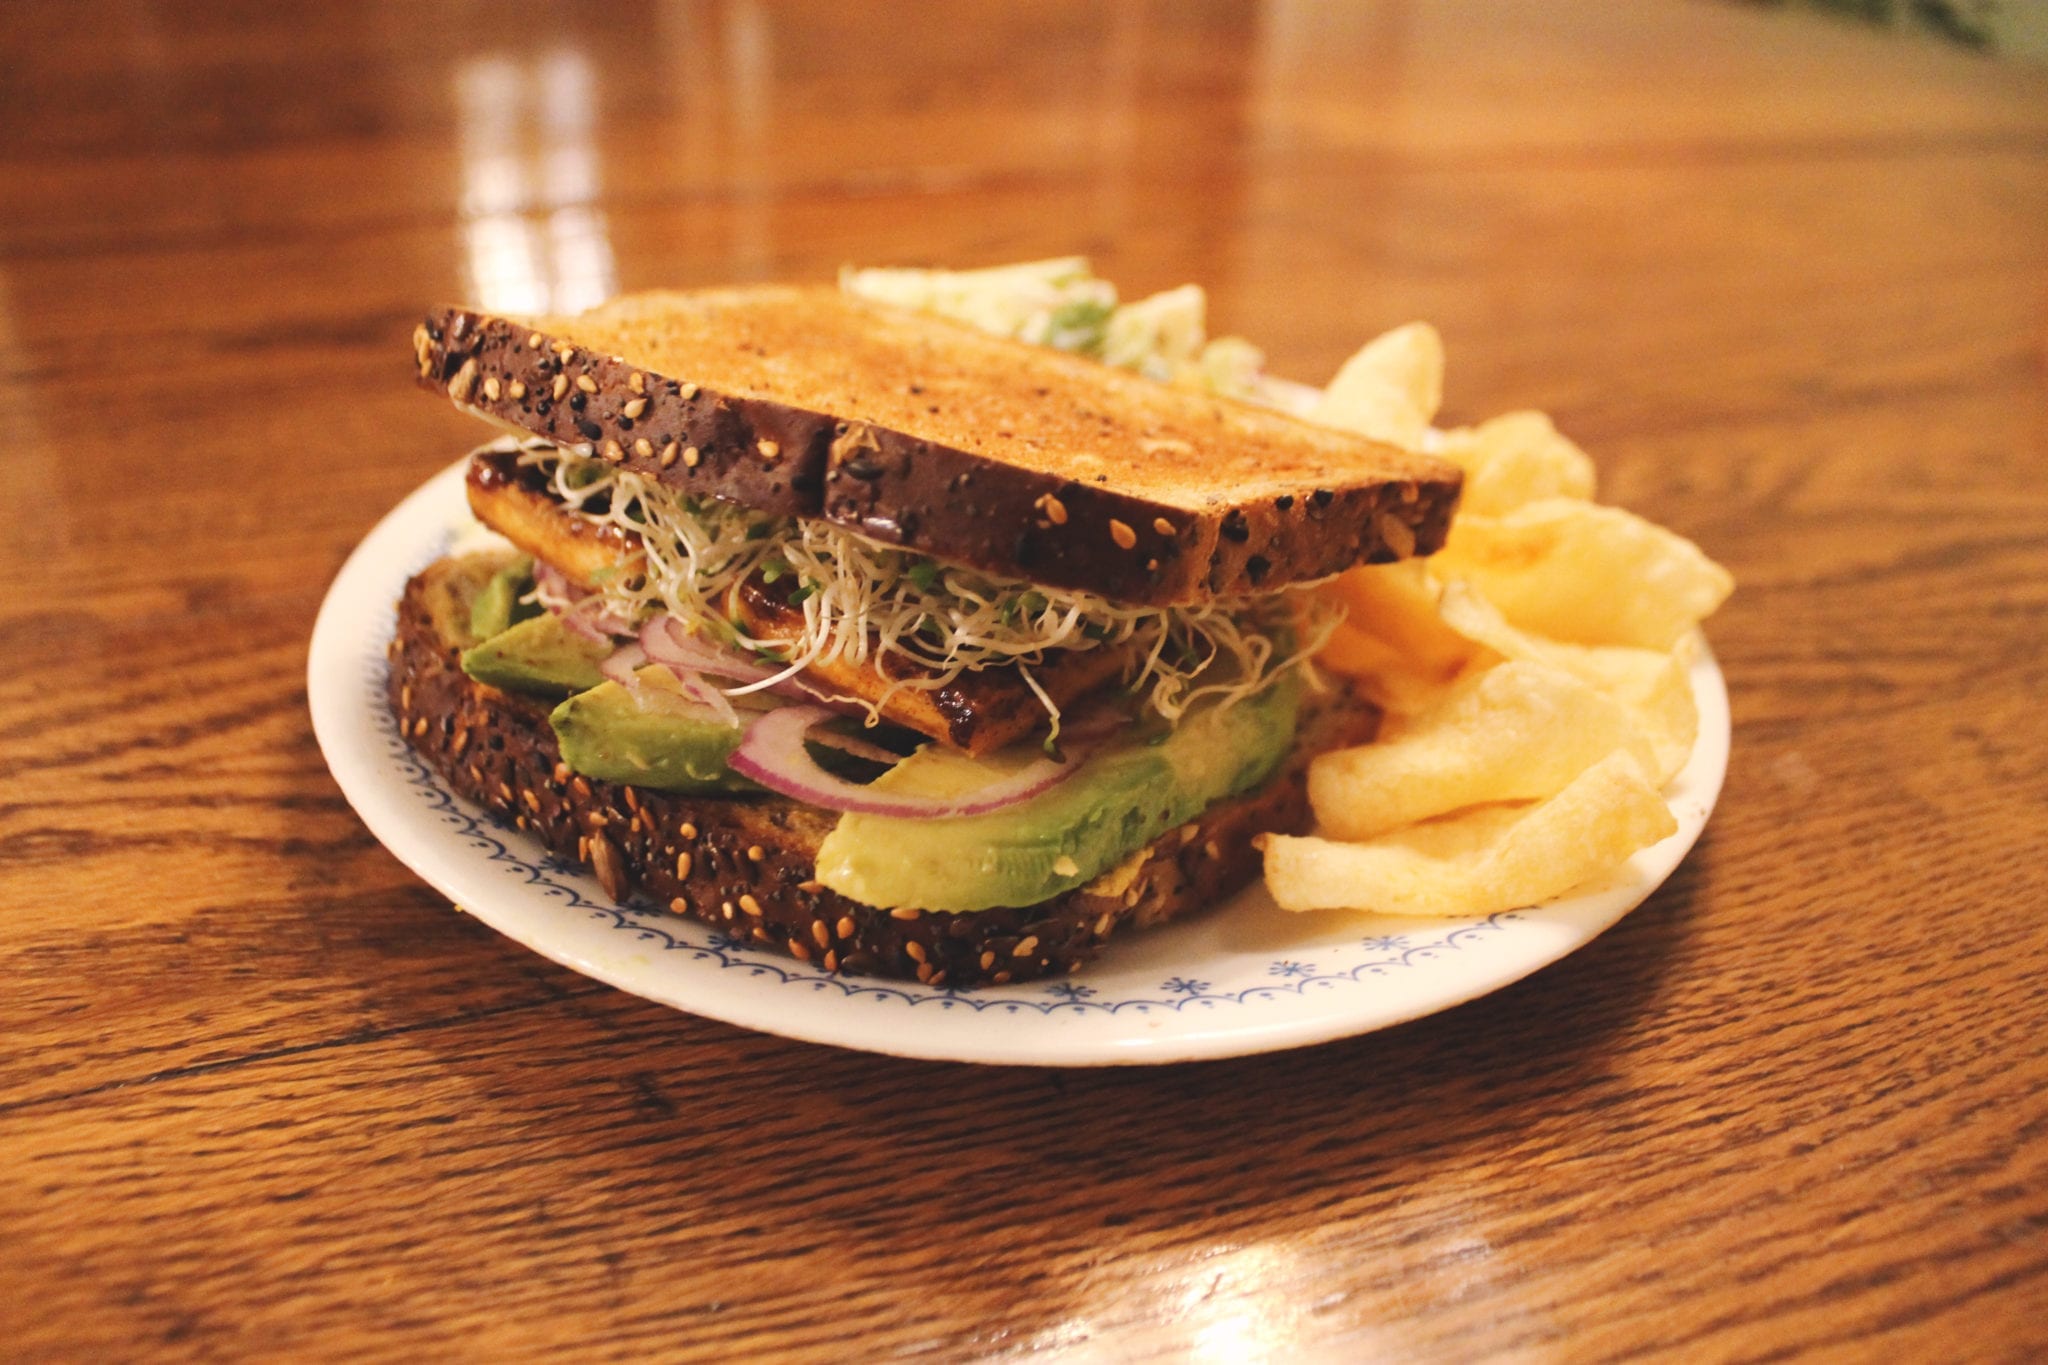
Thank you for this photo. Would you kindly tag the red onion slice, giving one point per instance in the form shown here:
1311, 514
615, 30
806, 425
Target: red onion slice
573, 607
696, 698
621, 663
773, 755
666, 642
582, 627
556, 591
606, 619
707, 695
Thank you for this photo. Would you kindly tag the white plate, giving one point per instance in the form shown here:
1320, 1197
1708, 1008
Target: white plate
1237, 979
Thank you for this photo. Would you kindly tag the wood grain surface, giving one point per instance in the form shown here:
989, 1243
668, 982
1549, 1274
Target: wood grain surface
262, 1094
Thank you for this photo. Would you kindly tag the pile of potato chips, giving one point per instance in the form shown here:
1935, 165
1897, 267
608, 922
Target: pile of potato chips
1534, 673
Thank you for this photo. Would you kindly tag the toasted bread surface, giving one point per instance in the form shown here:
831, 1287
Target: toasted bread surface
922, 432
746, 864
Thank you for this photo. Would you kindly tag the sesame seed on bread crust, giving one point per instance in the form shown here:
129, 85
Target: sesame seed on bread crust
746, 864
918, 431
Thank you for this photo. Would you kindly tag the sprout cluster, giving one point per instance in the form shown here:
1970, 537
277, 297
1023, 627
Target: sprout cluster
918, 621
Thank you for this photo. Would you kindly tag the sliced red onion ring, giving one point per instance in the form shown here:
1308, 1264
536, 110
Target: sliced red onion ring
567, 602
666, 642
696, 697
706, 694
553, 586
612, 622
773, 755
621, 663
581, 626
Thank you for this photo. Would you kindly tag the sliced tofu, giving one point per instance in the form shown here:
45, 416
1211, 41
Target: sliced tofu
515, 503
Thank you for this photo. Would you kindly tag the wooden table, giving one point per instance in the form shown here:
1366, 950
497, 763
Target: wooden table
264, 1094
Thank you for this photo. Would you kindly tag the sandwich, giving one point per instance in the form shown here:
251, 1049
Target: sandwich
878, 640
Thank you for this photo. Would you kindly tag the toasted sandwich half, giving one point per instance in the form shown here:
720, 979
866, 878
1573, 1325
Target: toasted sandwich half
871, 638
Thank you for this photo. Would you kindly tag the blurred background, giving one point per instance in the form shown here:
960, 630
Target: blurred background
2017, 28
541, 156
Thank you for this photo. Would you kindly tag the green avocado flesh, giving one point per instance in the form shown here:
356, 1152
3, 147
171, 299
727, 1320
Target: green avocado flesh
1063, 838
537, 656
497, 606
649, 737
450, 598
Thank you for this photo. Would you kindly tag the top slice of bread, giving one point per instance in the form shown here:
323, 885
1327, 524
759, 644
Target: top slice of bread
916, 431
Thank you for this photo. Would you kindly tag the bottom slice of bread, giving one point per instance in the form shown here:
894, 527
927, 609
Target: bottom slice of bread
746, 864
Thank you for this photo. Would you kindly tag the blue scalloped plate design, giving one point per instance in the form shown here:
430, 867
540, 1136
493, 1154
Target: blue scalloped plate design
1241, 978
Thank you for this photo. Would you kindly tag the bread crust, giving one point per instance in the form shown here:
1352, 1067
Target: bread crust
1117, 496
746, 864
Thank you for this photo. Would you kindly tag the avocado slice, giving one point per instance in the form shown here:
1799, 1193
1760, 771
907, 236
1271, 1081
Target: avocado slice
498, 607
538, 655
450, 595
1125, 797
650, 737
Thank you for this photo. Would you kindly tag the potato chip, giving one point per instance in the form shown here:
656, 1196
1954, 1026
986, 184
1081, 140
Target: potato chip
1654, 686
1397, 604
1390, 390
1536, 673
1515, 458
1585, 574
1485, 860
1380, 672
1516, 732
1656, 690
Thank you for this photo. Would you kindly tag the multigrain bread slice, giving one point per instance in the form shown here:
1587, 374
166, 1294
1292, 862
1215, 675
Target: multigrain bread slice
745, 864
925, 433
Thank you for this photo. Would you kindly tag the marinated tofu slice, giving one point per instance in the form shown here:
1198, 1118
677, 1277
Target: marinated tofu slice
515, 501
